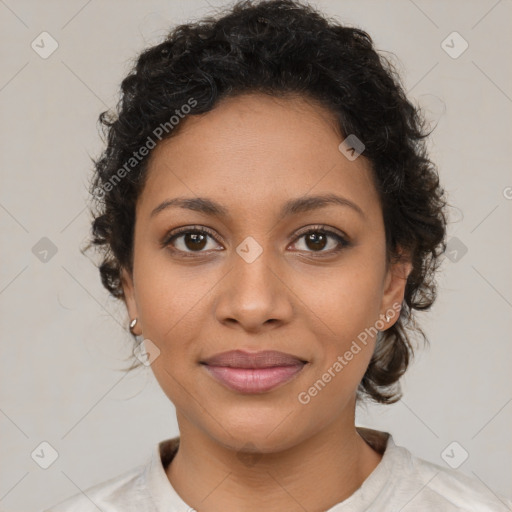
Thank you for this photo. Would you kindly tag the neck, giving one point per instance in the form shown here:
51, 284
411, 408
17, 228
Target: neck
315, 474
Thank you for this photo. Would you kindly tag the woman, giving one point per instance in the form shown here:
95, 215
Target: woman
269, 215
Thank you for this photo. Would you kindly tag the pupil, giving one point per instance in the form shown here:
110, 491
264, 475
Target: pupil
316, 239
195, 238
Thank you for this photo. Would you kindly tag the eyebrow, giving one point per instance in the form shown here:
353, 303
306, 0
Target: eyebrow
291, 207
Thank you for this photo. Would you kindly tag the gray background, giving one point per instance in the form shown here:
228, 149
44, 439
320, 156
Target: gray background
64, 339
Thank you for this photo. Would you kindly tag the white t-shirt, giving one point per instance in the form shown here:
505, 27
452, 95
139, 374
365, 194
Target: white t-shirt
400, 482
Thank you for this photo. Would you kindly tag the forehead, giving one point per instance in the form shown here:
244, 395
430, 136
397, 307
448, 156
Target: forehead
255, 150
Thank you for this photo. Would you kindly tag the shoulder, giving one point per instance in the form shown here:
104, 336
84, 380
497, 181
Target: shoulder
136, 490
118, 493
430, 486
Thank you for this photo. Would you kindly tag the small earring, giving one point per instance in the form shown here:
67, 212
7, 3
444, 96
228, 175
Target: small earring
132, 325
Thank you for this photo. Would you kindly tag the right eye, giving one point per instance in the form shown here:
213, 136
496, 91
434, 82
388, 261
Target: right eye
189, 240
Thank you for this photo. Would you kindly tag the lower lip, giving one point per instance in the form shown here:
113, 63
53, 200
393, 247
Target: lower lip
253, 380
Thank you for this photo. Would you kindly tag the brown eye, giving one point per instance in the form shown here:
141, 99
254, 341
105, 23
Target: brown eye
316, 241
321, 240
189, 240
194, 241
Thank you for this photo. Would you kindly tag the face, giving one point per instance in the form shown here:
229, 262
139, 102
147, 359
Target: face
259, 273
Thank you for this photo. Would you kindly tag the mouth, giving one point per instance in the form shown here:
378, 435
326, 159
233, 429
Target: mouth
251, 373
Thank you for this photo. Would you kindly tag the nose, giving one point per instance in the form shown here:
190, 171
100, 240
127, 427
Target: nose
254, 296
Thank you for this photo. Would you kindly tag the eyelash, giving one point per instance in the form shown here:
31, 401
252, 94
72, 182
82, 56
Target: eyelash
174, 234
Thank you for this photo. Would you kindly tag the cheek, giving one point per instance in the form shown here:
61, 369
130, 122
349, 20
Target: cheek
341, 307
346, 299
169, 295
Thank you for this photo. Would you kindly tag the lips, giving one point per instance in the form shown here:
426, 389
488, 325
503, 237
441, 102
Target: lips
257, 372
264, 359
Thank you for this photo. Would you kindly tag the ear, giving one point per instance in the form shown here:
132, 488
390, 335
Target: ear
129, 298
394, 288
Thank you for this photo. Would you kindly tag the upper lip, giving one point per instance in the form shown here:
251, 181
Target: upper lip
263, 359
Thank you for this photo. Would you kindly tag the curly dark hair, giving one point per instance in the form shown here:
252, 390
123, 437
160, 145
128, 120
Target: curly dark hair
280, 48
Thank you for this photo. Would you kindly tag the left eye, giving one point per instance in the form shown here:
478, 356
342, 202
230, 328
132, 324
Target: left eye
318, 239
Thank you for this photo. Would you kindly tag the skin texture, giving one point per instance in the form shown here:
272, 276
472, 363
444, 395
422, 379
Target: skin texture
265, 451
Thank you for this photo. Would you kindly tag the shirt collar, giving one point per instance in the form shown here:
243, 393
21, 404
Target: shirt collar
162, 493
